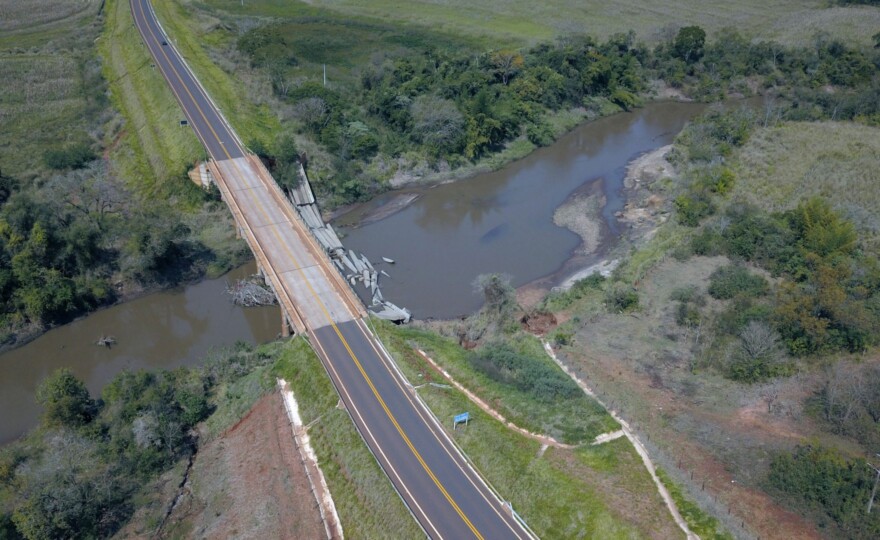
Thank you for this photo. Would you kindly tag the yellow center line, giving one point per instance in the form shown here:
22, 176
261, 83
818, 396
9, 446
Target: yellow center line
323, 308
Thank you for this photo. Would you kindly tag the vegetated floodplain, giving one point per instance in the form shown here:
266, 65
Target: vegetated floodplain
757, 319
94, 205
590, 492
405, 101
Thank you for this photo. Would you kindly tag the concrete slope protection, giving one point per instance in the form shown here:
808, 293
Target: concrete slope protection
444, 493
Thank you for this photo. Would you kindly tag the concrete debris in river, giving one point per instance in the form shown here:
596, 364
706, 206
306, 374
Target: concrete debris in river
352, 266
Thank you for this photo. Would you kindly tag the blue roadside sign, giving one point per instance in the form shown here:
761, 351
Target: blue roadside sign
460, 418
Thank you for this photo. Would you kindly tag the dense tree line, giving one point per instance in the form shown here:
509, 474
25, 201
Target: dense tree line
76, 475
456, 105
450, 104
67, 242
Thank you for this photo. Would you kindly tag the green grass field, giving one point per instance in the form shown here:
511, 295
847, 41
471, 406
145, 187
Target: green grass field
781, 166
252, 120
45, 49
789, 21
588, 492
572, 421
154, 149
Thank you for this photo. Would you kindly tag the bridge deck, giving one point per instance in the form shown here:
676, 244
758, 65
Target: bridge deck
444, 493
297, 269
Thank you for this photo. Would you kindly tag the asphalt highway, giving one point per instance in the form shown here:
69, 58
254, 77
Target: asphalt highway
444, 493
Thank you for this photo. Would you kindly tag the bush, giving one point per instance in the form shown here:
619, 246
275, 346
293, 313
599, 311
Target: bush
531, 375
66, 400
707, 242
624, 99
691, 208
621, 298
733, 280
540, 134
823, 478
73, 156
687, 315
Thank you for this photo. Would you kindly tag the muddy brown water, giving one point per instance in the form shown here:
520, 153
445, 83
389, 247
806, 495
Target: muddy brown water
496, 222
503, 221
160, 331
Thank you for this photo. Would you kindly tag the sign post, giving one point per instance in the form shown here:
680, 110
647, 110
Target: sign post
460, 418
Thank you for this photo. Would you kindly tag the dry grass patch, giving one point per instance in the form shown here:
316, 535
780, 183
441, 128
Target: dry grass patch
17, 15
840, 161
790, 21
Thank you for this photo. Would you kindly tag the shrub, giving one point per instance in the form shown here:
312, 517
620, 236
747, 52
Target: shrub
823, 478
687, 315
74, 156
531, 375
734, 280
621, 298
66, 400
540, 134
707, 242
624, 99
691, 208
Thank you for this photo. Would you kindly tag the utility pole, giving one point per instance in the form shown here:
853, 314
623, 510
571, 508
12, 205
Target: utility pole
325, 75
874, 490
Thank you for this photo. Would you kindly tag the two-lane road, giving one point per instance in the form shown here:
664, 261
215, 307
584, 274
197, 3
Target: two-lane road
446, 496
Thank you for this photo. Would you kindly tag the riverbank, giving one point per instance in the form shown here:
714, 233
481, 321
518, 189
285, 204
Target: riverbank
412, 175
163, 330
644, 210
503, 221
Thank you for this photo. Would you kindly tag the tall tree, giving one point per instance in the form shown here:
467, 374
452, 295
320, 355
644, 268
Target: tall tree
66, 400
689, 42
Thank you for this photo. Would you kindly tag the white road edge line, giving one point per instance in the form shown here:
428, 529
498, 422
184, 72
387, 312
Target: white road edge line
432, 421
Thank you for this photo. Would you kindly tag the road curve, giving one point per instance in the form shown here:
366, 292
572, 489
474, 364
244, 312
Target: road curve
445, 495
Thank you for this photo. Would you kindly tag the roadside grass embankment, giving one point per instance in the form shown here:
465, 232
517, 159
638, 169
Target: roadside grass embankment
574, 420
155, 148
703, 525
153, 151
365, 500
251, 119
588, 492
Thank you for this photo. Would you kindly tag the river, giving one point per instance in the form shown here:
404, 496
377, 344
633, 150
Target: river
496, 222
159, 331
503, 221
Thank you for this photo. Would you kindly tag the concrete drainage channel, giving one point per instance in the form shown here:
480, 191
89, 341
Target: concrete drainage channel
332, 526
637, 444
